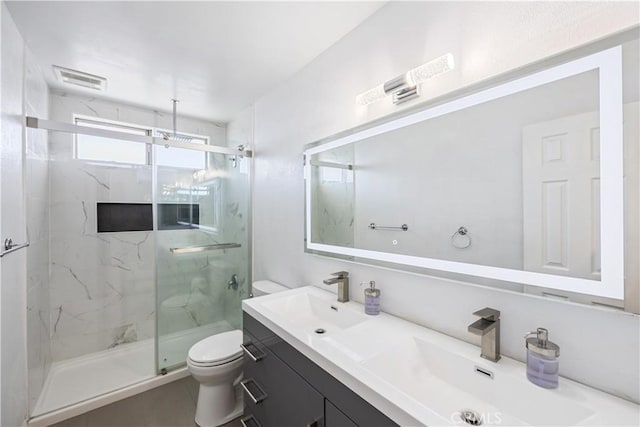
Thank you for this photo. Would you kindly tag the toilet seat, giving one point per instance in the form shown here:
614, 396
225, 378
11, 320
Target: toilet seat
217, 349
213, 364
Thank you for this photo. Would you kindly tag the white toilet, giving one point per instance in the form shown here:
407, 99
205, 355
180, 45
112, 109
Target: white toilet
216, 363
266, 287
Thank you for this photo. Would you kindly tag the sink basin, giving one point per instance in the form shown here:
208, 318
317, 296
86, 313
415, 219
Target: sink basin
449, 381
315, 315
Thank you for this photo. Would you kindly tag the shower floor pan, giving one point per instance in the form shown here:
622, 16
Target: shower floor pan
78, 385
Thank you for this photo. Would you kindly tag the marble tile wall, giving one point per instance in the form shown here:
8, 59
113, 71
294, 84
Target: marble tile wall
102, 284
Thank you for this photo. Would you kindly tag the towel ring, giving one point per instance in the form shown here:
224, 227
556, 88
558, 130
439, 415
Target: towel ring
461, 233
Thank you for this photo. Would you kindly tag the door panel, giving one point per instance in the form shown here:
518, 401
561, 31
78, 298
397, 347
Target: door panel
561, 196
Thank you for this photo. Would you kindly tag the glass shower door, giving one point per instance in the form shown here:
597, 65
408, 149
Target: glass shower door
202, 241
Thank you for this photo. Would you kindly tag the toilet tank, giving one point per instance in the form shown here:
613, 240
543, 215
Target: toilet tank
267, 287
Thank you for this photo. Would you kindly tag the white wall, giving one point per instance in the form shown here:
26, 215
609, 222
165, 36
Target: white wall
486, 39
23, 89
240, 130
13, 278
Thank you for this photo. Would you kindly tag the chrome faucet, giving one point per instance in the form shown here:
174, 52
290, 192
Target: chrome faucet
488, 327
233, 283
342, 279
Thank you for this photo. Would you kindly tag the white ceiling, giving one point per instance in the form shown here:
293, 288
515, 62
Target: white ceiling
215, 57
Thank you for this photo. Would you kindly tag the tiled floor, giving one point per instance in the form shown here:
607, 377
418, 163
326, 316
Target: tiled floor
172, 405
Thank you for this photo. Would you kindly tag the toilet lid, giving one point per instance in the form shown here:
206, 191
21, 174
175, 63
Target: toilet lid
267, 287
217, 348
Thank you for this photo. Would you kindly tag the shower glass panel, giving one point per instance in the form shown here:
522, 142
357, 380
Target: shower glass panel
91, 298
202, 248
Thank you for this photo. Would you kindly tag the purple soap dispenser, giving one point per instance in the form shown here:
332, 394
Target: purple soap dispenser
542, 359
372, 299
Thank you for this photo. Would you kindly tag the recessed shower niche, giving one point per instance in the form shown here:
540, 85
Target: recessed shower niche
114, 217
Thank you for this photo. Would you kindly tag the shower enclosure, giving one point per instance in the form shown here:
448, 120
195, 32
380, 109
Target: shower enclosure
133, 261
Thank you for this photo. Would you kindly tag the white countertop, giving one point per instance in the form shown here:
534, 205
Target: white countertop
381, 359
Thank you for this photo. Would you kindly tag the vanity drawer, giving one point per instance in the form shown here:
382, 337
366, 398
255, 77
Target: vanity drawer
275, 394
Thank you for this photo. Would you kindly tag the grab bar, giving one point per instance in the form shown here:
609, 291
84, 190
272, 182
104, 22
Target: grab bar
374, 226
193, 249
9, 247
331, 165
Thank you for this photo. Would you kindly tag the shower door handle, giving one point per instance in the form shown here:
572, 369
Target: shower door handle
204, 248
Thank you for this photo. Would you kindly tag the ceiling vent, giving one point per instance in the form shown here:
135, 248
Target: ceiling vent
79, 78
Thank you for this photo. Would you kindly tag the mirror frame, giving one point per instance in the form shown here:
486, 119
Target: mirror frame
608, 63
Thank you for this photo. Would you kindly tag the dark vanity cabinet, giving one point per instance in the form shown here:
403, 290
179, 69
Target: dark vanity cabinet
274, 394
283, 388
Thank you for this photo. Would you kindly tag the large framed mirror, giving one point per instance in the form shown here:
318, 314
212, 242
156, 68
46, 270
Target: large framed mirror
525, 181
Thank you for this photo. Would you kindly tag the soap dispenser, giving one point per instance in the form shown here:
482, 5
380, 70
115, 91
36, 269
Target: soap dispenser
542, 359
372, 299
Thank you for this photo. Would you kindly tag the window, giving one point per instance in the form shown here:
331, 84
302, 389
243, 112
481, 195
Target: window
113, 150
181, 157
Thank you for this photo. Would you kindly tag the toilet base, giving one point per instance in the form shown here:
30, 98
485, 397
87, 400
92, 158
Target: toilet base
218, 405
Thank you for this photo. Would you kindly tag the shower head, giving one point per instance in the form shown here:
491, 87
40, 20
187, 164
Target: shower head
172, 136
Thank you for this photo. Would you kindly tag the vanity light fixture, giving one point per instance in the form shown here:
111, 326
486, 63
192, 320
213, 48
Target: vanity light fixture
405, 86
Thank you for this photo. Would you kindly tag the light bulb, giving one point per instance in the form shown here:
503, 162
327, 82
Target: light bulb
430, 69
371, 96
412, 77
